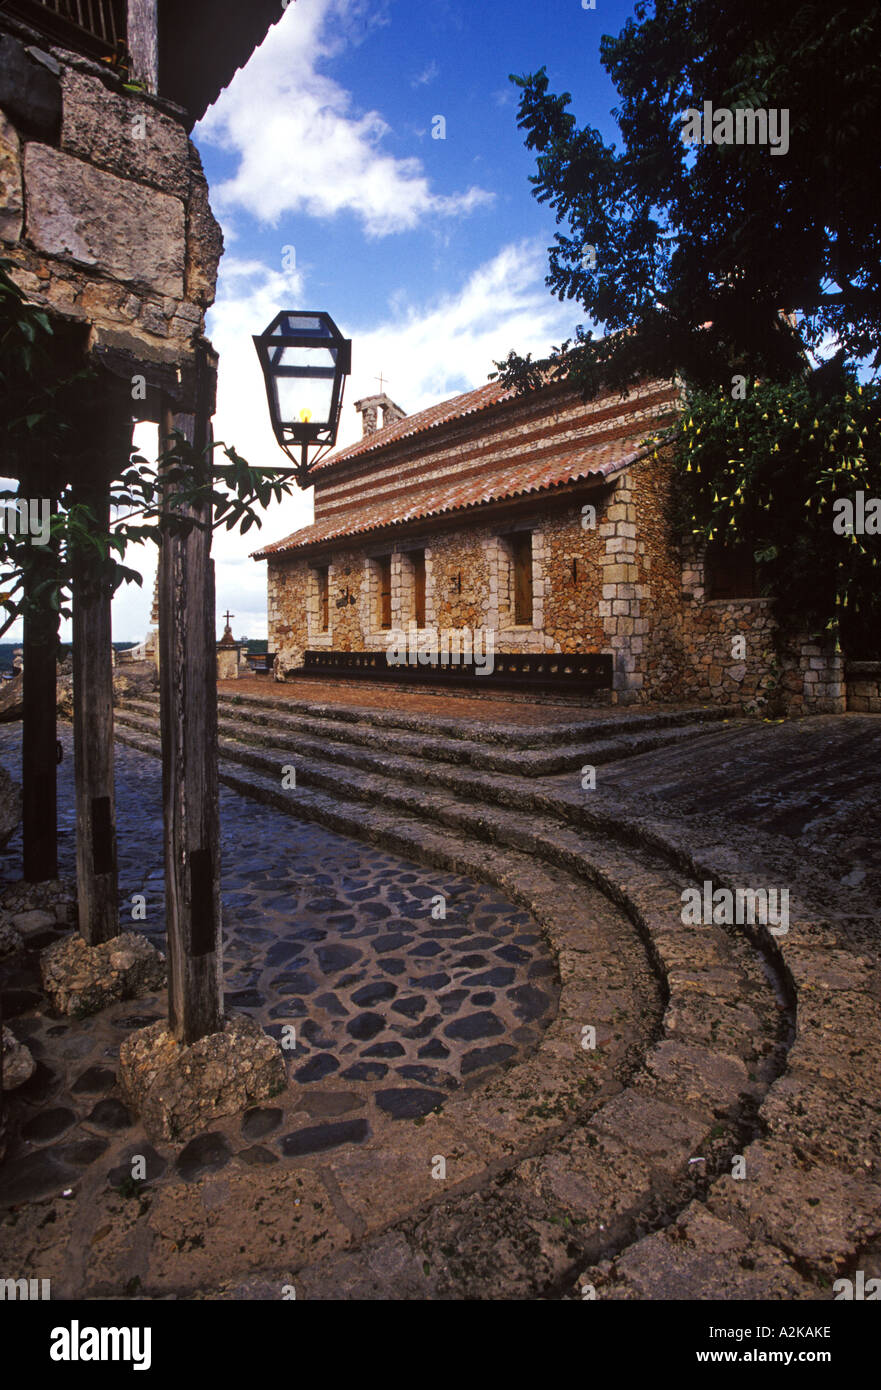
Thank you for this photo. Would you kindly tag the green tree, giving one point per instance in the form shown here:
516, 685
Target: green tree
726, 265
689, 256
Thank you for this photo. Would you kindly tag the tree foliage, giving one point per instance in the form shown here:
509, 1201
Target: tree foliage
714, 259
768, 471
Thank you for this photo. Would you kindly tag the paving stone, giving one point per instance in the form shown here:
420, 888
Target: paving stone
319, 1138
411, 1007
384, 1049
481, 1057
428, 1076
529, 1002
498, 976
331, 1005
110, 1115
80, 1152
435, 1048
36, 1176
366, 1071
154, 1165
406, 1103
479, 1025
335, 957
260, 1121
366, 1026
698, 1257
246, 999
431, 983
93, 1080
324, 1104
376, 993
317, 1068
207, 1153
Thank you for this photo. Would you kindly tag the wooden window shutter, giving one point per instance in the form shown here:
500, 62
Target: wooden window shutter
385, 591
418, 562
521, 554
323, 599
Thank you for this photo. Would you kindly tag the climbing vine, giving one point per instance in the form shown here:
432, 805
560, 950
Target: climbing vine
767, 471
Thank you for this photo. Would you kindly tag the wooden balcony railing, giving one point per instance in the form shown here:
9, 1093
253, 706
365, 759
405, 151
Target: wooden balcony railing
97, 27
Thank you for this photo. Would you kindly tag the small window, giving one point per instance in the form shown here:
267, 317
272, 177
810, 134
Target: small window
730, 571
521, 560
384, 568
417, 560
322, 588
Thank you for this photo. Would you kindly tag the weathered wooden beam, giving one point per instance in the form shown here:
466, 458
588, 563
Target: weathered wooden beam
96, 864
38, 750
188, 715
143, 42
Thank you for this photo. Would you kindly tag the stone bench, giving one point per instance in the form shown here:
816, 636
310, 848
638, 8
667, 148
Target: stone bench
584, 673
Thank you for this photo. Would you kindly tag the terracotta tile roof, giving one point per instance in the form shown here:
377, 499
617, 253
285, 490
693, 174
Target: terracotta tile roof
549, 454
441, 414
450, 494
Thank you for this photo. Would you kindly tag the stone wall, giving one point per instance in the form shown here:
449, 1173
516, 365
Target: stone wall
106, 213
864, 687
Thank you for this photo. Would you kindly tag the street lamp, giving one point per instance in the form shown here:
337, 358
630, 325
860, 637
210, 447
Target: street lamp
305, 361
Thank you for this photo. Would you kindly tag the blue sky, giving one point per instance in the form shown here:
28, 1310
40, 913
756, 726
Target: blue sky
431, 254
333, 194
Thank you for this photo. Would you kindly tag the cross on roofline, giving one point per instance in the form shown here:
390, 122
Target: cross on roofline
381, 380
228, 615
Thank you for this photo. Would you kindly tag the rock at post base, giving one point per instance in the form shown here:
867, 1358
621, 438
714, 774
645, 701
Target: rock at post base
81, 979
10, 806
179, 1088
18, 1064
55, 897
11, 940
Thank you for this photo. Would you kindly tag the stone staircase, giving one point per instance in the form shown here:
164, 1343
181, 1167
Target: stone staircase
621, 1178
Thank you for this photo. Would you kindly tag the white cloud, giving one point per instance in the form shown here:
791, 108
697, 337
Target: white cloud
426, 352
301, 144
427, 75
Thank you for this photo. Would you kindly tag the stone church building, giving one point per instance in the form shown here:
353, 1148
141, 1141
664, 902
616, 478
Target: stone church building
545, 521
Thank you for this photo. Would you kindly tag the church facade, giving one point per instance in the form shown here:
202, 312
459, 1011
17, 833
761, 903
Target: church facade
534, 523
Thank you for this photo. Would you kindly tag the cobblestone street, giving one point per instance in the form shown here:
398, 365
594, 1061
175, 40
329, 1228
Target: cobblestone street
392, 1005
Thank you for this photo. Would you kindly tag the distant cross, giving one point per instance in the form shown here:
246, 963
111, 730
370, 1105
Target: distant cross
228, 615
381, 380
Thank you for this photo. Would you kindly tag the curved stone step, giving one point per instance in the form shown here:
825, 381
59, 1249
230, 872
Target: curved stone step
695, 1092
358, 742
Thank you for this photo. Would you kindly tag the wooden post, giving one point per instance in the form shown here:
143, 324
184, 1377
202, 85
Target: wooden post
142, 40
96, 870
38, 760
188, 714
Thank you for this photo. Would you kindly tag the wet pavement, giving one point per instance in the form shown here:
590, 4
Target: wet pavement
389, 986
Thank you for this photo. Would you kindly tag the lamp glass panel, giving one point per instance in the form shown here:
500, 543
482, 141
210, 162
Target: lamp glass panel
299, 394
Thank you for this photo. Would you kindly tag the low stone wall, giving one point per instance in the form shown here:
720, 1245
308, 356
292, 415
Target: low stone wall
864, 687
